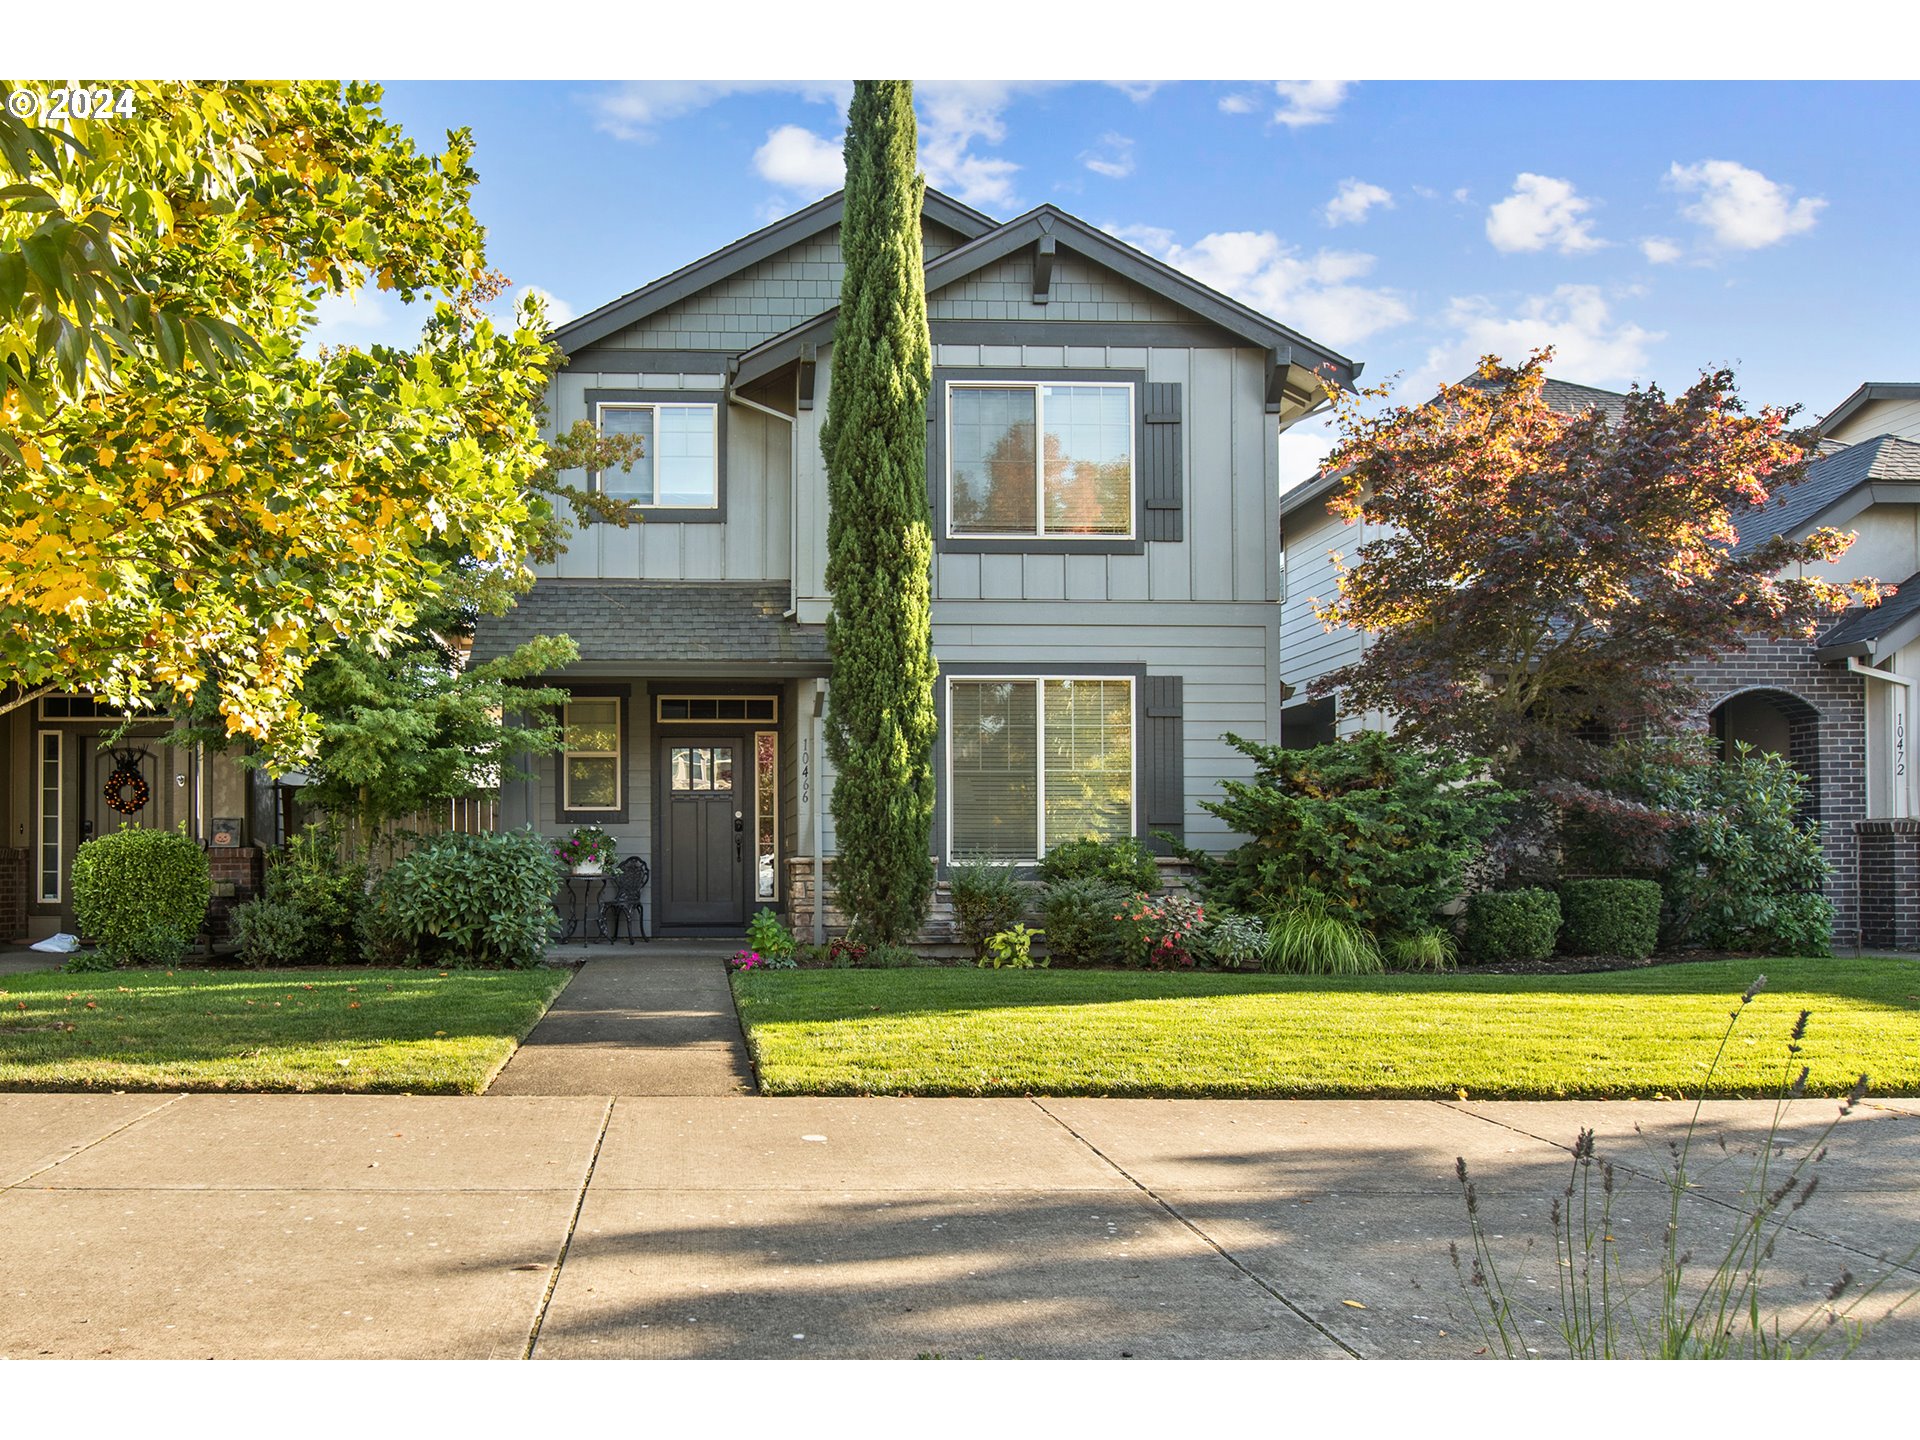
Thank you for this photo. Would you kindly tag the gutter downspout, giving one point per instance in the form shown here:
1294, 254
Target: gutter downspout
793, 483
818, 741
1903, 717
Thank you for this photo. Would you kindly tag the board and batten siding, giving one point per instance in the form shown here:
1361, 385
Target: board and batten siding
1229, 469
752, 540
535, 802
1222, 652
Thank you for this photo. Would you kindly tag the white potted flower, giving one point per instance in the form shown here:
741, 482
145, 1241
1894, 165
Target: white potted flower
587, 851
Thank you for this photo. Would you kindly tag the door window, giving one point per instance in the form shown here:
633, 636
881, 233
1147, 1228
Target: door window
702, 769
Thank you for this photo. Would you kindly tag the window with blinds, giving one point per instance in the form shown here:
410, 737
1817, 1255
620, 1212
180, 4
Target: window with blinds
1035, 762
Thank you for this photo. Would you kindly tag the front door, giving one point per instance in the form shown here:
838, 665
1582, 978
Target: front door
703, 857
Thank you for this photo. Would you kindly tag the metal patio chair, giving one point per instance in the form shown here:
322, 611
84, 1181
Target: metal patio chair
630, 879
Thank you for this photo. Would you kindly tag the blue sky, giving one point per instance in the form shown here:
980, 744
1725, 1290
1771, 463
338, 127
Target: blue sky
1649, 230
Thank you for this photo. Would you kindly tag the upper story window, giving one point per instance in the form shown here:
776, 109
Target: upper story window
681, 469
1045, 460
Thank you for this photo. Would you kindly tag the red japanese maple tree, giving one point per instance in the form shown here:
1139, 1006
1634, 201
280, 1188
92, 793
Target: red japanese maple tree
1541, 577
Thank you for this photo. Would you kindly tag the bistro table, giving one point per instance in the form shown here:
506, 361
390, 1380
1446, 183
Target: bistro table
584, 893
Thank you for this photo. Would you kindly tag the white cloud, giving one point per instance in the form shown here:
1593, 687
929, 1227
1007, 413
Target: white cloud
1659, 250
1238, 104
1315, 294
369, 317
1354, 200
1591, 346
1308, 102
953, 115
798, 159
1138, 91
1114, 158
1462, 195
634, 109
559, 312
1742, 208
1542, 212
1303, 449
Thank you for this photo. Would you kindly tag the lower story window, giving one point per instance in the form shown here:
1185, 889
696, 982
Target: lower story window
1034, 762
590, 762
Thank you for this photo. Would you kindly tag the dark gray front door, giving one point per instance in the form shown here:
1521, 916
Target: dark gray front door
705, 783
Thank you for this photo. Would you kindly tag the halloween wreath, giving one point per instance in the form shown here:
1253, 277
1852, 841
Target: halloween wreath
126, 788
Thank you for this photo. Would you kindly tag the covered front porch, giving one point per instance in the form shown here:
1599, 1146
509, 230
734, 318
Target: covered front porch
691, 738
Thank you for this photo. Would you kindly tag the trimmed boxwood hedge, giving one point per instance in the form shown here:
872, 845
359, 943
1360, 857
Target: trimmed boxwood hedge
1610, 917
1511, 925
140, 894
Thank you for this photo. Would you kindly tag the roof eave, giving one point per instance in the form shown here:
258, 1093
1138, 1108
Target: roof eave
769, 240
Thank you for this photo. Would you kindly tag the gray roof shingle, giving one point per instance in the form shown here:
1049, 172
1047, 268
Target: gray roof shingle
1830, 478
1864, 624
654, 621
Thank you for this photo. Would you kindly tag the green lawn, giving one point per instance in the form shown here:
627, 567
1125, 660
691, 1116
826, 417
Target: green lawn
415, 1031
1644, 1033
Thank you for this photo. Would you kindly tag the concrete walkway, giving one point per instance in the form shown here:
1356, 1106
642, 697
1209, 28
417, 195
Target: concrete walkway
559, 1226
652, 1019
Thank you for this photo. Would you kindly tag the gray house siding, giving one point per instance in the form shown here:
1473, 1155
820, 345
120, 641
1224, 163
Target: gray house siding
752, 541
761, 301
1079, 291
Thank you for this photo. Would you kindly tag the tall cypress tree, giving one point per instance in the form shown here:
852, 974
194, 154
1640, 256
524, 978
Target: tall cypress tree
880, 718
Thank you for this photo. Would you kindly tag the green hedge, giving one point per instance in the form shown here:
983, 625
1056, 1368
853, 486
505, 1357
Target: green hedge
1081, 921
1610, 917
1125, 862
465, 900
1511, 925
141, 895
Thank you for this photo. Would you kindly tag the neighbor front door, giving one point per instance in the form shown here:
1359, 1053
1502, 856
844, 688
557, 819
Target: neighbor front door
705, 784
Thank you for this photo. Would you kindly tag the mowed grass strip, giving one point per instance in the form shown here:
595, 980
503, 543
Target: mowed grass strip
1637, 1033
362, 1031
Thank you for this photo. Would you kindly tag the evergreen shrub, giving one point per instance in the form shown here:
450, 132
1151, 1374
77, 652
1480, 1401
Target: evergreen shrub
141, 895
1610, 917
1512, 925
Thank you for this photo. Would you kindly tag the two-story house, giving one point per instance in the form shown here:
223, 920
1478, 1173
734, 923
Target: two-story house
1840, 707
1103, 470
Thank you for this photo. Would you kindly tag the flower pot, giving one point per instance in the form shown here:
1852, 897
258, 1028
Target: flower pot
589, 867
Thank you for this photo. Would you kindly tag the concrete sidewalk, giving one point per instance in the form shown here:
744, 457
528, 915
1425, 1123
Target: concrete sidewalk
652, 1019
561, 1226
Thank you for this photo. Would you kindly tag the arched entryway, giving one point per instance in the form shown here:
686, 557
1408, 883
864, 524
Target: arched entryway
1777, 721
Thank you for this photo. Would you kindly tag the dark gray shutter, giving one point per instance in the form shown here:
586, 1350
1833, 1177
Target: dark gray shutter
1160, 465
1163, 760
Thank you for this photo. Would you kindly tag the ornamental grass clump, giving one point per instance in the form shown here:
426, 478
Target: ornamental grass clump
1310, 937
1600, 1315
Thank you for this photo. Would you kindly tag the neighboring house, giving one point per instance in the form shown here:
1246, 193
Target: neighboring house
56, 794
1104, 601
1840, 708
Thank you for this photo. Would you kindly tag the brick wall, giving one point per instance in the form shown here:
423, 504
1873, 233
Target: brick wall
1829, 745
1889, 859
14, 865
236, 877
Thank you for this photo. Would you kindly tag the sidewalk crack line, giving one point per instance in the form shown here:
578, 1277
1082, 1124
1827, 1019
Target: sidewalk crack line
98, 1139
1201, 1235
573, 1223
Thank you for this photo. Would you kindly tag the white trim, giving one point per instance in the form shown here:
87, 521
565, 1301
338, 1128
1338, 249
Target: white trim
617, 754
1040, 532
41, 894
601, 406
1040, 681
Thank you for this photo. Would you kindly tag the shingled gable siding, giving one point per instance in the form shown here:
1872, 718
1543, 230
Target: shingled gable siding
1080, 290
760, 302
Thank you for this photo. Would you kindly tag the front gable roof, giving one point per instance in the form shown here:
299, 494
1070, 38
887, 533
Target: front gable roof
1839, 484
749, 250
1868, 393
1301, 360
